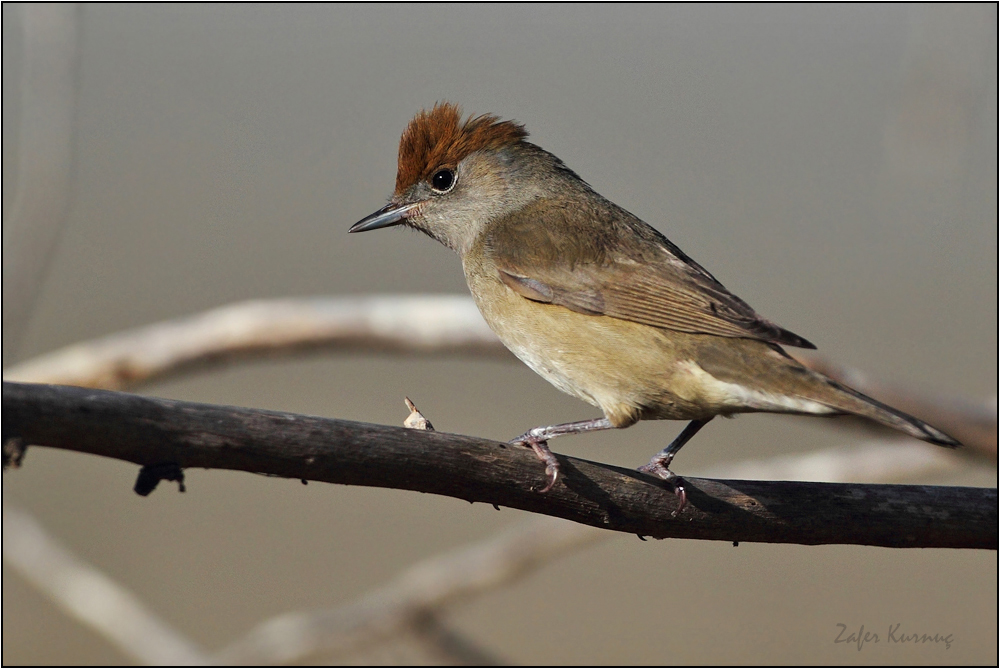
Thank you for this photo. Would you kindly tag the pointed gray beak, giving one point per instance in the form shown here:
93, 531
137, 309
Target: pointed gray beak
389, 215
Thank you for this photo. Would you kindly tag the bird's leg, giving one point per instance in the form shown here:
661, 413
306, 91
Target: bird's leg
660, 464
537, 439
546, 433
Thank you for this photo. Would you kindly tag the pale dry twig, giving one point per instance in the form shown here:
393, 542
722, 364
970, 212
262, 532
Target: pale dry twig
92, 598
44, 157
417, 323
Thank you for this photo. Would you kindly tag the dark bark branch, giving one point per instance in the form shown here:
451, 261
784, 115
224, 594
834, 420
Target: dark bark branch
149, 431
448, 324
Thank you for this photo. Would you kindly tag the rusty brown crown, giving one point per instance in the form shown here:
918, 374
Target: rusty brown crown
438, 138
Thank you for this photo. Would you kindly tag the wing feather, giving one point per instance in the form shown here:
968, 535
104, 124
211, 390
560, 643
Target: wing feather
626, 270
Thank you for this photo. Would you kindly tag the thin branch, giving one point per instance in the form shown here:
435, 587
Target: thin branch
117, 615
403, 324
45, 157
449, 646
157, 432
430, 323
441, 581
92, 598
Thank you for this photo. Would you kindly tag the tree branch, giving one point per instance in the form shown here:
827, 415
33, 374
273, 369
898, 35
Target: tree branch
156, 432
44, 157
91, 597
424, 589
443, 581
415, 323
414, 602
398, 323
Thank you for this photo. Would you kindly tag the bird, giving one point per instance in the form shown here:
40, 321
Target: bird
596, 301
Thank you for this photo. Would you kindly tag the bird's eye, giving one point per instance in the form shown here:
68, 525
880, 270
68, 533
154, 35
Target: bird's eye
443, 180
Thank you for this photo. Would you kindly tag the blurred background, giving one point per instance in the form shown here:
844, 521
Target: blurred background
835, 166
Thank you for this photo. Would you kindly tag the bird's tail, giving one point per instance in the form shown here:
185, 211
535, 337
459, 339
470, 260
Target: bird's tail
847, 400
780, 383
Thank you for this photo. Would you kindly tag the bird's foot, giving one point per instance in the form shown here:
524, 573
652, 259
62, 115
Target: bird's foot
541, 448
659, 467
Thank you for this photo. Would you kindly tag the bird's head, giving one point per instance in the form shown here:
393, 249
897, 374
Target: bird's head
454, 176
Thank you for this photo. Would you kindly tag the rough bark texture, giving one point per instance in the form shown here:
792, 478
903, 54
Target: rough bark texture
158, 432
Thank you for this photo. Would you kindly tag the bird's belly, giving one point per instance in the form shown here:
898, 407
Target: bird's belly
634, 371
631, 371
548, 366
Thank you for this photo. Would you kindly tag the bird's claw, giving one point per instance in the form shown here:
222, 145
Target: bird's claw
552, 472
682, 498
659, 469
541, 449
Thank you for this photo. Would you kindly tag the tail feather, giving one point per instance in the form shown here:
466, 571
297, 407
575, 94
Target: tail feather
769, 379
851, 401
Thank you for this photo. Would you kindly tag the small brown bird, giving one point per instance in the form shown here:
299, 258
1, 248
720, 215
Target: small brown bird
596, 301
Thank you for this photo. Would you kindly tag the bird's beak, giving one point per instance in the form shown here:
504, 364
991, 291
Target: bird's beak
389, 215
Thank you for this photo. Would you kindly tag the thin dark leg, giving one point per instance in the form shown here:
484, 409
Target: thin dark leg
537, 439
660, 464
661, 461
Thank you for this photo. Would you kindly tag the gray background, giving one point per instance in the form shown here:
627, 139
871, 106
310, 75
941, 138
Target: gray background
834, 166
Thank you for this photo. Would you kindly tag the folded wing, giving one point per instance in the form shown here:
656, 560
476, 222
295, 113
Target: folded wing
625, 269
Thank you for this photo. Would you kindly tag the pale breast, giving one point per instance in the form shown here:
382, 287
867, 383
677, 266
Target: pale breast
624, 368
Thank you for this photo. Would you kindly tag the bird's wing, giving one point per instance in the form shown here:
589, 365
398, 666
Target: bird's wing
623, 268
